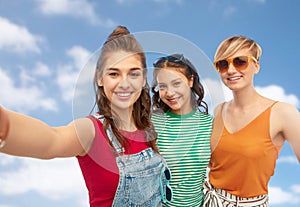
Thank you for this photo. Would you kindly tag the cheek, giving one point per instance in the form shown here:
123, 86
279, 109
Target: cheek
108, 87
161, 93
137, 84
183, 89
107, 93
223, 78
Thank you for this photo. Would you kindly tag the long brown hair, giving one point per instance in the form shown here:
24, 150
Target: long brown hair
121, 40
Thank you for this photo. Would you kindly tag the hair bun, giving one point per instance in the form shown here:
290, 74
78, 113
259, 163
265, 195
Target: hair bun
118, 32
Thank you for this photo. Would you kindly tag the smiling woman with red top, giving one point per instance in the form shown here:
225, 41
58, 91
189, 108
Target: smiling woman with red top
116, 147
249, 131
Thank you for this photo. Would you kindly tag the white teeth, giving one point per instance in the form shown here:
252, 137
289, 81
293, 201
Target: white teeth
123, 94
234, 78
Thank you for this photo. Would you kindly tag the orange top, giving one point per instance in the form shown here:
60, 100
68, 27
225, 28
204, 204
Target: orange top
243, 162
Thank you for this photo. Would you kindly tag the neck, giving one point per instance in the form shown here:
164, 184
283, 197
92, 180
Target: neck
125, 120
245, 98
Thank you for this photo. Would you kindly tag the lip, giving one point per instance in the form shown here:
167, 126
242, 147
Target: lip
234, 78
173, 101
123, 95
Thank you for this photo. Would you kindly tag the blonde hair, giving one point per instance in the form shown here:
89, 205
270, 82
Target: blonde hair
233, 44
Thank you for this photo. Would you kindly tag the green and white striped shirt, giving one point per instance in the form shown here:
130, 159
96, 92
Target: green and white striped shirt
184, 142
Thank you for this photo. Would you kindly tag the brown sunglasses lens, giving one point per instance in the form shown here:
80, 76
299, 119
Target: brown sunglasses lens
239, 63
222, 66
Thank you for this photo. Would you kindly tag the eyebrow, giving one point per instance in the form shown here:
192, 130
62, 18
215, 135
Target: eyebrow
177, 79
117, 69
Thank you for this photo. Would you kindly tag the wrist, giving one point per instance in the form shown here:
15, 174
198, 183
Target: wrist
4, 126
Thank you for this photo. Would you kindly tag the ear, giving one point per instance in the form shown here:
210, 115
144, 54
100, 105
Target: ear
99, 79
257, 67
191, 82
99, 82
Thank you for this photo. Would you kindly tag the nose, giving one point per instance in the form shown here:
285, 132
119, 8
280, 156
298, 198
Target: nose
231, 68
170, 91
124, 83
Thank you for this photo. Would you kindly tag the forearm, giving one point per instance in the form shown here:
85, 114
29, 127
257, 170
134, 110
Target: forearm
28, 137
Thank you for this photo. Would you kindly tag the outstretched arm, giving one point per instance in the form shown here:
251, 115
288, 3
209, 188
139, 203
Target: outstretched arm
289, 118
30, 137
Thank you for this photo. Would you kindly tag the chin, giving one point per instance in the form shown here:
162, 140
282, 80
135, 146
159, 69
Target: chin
174, 108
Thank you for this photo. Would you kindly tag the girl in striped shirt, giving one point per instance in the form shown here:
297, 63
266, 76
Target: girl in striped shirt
183, 129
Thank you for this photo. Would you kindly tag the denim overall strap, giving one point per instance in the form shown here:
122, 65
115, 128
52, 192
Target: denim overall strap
142, 178
117, 146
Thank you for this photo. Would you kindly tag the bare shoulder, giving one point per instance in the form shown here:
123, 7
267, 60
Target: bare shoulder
85, 131
87, 122
285, 110
218, 108
84, 127
285, 118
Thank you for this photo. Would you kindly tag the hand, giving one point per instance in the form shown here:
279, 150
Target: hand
4, 126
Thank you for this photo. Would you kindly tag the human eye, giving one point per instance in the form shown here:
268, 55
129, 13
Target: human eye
162, 86
177, 83
113, 74
135, 74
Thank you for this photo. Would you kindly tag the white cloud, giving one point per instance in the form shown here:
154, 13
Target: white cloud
67, 75
15, 38
41, 69
66, 79
3, 205
29, 96
79, 55
55, 179
277, 93
280, 196
75, 8
296, 188
274, 92
287, 159
6, 160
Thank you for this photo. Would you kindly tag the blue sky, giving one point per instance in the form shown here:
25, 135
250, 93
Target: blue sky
44, 44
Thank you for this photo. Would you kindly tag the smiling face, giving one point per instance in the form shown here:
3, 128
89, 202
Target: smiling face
236, 79
236, 46
175, 90
122, 80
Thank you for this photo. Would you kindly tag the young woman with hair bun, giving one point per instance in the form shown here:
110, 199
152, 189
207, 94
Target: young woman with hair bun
116, 147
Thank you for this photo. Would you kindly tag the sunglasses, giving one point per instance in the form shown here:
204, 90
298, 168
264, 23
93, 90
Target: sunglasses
175, 58
167, 192
240, 63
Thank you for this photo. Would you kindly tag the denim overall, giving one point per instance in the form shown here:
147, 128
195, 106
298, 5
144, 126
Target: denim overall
144, 177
